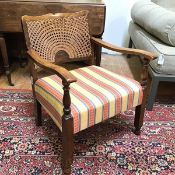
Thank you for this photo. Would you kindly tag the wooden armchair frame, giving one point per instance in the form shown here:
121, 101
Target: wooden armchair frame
68, 78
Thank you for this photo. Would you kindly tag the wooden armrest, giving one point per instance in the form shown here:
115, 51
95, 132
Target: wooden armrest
63, 73
146, 54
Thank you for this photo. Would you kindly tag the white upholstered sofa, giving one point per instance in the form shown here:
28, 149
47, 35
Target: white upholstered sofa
153, 29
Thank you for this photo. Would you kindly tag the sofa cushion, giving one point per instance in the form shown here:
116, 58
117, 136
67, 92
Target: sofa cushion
156, 20
145, 41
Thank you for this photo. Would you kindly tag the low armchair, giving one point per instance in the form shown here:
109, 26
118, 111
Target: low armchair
80, 98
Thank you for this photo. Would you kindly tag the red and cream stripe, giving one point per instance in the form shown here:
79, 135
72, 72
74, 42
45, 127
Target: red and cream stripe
97, 95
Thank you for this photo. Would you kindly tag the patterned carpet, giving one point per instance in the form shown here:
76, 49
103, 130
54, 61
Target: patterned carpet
109, 148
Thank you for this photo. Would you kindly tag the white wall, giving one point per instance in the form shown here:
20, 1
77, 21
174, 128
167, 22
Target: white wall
117, 20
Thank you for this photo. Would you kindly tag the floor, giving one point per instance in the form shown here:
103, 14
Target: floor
116, 63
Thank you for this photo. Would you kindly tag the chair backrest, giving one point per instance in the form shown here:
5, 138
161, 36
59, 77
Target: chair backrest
60, 37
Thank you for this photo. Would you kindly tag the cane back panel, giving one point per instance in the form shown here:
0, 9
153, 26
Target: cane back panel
58, 36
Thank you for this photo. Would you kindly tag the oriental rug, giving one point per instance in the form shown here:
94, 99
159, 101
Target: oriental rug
109, 148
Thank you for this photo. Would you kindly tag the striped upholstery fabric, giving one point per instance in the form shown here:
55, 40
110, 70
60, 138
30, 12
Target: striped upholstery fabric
97, 95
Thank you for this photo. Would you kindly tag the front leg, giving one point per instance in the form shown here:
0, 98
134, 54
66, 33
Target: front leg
67, 144
67, 133
140, 109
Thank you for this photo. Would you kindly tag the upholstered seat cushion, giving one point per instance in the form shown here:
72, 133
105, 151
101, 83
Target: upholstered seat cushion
97, 95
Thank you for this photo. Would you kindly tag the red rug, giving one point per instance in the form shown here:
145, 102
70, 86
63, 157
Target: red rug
109, 148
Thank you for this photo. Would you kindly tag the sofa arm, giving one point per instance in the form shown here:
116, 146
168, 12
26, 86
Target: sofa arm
156, 20
168, 4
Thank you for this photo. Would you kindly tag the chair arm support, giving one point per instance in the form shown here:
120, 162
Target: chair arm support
63, 73
147, 55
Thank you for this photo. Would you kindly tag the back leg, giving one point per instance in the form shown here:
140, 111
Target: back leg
139, 116
38, 113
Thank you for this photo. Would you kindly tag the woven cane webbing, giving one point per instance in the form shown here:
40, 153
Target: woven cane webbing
60, 32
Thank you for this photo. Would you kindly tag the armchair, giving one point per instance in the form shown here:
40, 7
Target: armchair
83, 97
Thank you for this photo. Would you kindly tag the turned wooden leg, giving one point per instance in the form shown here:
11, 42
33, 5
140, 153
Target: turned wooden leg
5, 59
67, 132
38, 113
68, 145
8, 74
139, 116
140, 110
